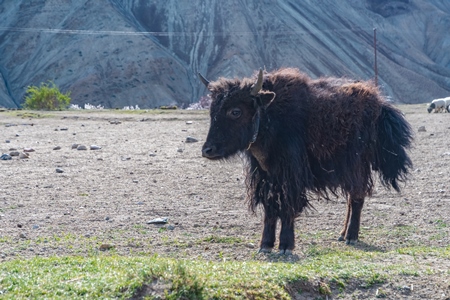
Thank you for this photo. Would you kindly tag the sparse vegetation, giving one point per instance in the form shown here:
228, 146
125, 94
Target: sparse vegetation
46, 97
113, 276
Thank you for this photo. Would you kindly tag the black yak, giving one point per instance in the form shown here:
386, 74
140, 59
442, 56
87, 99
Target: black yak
305, 137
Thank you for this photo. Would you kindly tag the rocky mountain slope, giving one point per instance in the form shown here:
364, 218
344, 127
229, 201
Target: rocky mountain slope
127, 52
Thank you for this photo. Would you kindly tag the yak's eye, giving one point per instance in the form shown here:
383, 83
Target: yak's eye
234, 113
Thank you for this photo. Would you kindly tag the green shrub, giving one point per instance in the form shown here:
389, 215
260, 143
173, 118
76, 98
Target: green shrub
46, 97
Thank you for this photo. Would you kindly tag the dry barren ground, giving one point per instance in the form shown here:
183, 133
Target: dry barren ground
146, 170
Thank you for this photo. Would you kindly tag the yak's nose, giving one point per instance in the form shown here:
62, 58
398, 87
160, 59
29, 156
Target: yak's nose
209, 151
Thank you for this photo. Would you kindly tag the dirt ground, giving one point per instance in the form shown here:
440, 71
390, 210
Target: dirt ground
145, 169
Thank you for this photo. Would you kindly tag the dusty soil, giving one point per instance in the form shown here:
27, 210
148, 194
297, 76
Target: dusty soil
146, 170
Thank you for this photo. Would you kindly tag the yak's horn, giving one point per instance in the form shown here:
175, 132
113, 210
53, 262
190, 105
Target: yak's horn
258, 85
203, 79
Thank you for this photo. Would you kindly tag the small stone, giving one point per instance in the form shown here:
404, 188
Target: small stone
75, 146
170, 227
35, 227
190, 139
140, 203
250, 245
95, 147
180, 150
105, 247
22, 235
421, 129
12, 149
152, 154
19, 225
57, 148
5, 157
158, 221
135, 181
188, 122
81, 147
64, 129
14, 153
59, 170
28, 150
24, 155
7, 141
106, 218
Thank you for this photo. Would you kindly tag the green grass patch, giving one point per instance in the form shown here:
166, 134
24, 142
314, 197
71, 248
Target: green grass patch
113, 276
222, 239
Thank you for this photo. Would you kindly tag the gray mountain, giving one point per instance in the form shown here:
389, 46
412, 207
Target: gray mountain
147, 52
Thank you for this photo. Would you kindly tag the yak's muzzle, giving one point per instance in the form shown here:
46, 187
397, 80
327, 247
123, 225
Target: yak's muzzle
210, 152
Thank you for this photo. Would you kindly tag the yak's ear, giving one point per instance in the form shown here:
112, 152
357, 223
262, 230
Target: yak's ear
266, 98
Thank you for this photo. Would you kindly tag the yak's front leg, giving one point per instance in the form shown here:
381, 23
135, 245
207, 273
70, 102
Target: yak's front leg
270, 226
287, 238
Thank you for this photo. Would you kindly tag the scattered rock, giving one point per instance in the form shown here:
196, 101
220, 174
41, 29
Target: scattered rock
28, 150
180, 150
75, 146
190, 139
5, 157
22, 235
14, 153
124, 158
250, 245
64, 129
135, 181
158, 221
115, 122
59, 170
170, 227
12, 149
152, 154
24, 155
57, 148
35, 227
95, 147
421, 129
81, 147
188, 122
105, 247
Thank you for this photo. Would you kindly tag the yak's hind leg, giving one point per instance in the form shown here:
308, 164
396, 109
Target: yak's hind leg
352, 222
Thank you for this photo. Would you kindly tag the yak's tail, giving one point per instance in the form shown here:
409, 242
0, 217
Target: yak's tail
394, 138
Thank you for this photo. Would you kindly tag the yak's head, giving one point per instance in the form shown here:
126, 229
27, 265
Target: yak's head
431, 107
235, 114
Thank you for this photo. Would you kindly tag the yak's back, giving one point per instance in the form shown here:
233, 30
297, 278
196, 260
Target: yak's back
342, 112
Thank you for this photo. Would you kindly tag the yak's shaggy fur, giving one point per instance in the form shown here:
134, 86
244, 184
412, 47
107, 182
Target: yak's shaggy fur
304, 136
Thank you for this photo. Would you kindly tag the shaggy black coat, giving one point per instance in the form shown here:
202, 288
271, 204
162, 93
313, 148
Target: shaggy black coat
304, 137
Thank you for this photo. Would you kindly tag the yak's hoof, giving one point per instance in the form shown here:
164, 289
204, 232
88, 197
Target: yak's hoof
351, 242
265, 250
285, 252
341, 238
